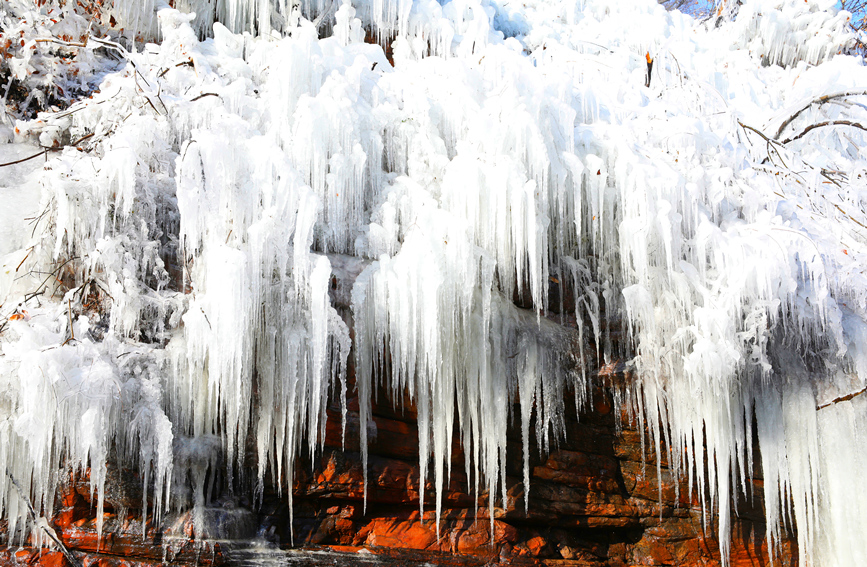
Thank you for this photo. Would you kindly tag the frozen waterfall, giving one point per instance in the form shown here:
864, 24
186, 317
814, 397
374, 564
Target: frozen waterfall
173, 296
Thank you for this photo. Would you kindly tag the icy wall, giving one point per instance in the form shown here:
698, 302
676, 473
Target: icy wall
172, 298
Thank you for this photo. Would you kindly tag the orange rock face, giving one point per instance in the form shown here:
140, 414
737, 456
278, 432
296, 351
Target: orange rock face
599, 499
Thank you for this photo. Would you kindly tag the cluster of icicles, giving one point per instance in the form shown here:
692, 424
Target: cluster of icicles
477, 169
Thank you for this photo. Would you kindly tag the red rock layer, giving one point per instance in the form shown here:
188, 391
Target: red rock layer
597, 499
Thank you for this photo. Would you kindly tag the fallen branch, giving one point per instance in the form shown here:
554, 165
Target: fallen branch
42, 522
820, 100
22, 160
845, 398
826, 123
46, 150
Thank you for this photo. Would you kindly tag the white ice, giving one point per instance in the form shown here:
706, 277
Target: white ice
508, 148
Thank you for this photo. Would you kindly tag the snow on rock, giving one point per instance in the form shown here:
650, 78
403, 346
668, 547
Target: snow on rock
191, 235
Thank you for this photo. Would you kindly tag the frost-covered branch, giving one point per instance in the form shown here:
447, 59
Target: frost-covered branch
820, 100
822, 125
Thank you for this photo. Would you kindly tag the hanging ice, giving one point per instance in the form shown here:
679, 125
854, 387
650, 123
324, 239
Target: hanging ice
505, 153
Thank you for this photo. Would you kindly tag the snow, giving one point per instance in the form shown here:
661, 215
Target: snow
19, 205
218, 184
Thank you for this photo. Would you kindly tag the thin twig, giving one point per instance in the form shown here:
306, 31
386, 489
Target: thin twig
203, 95
69, 313
126, 55
759, 132
830, 179
770, 143
208, 321
820, 100
83, 138
848, 215
35, 221
45, 281
680, 73
78, 106
111, 45
826, 123
181, 64
157, 112
18, 267
61, 42
159, 98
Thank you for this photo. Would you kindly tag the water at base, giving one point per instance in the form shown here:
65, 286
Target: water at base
260, 553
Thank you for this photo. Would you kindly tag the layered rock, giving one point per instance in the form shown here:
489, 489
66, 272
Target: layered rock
600, 497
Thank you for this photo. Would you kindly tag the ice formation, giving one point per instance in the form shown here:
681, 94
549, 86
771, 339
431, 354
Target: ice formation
172, 296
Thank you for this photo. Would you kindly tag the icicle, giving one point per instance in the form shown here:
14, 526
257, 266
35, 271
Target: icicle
464, 177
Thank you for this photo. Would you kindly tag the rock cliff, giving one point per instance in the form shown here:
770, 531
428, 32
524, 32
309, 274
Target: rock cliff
600, 497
